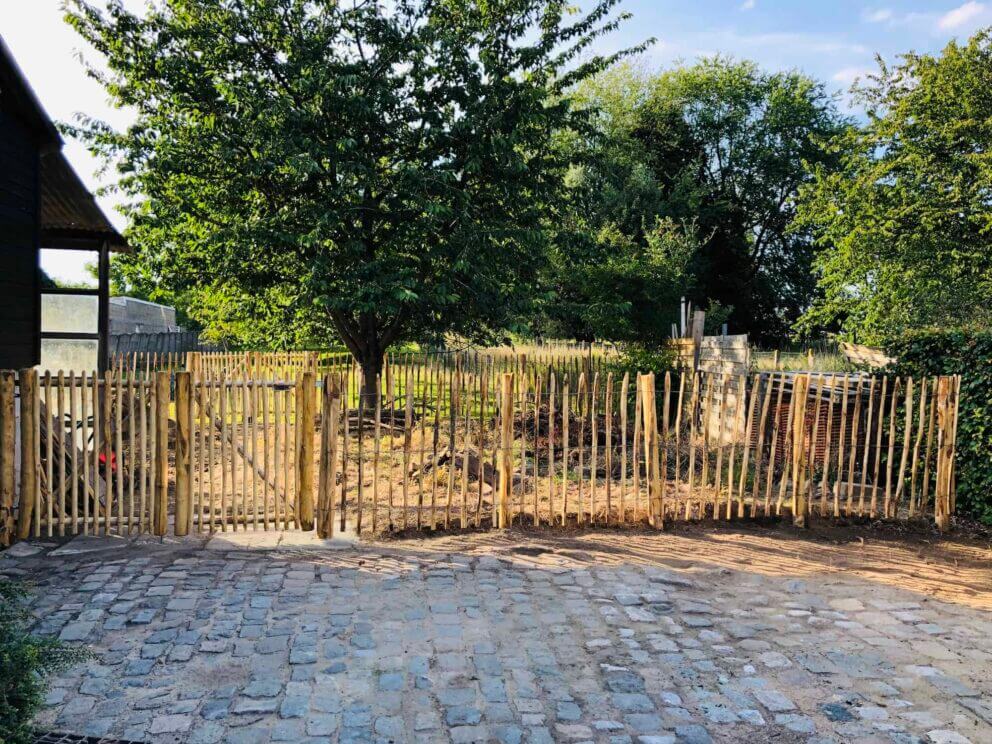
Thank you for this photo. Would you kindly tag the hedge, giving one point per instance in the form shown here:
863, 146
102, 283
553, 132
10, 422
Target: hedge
969, 354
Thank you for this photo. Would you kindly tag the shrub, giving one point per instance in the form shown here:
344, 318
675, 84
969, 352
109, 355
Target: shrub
967, 353
634, 358
25, 661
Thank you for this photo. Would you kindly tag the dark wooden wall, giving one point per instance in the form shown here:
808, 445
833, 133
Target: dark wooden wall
20, 314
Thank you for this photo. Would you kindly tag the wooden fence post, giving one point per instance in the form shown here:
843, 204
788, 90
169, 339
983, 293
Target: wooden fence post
505, 451
649, 412
800, 393
160, 511
945, 452
328, 458
306, 390
29, 452
8, 445
184, 479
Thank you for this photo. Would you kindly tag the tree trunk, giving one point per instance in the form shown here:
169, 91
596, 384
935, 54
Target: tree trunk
371, 370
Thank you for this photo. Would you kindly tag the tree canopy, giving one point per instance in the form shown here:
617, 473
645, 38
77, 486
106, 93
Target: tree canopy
378, 168
716, 150
905, 225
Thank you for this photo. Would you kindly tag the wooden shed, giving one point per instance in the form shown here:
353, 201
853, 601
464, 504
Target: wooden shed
44, 205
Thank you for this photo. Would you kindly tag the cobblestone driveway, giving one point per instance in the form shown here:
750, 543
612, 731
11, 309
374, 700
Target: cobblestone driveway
404, 643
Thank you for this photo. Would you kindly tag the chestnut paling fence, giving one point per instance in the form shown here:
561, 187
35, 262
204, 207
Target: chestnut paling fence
451, 443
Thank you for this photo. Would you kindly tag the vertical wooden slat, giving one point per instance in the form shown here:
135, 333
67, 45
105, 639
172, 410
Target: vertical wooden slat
161, 467
913, 501
329, 423
906, 438
407, 441
132, 425
608, 444
304, 457
867, 451
564, 451
536, 459
749, 430
225, 455
720, 433
183, 455
105, 437
343, 506
145, 455
290, 506
800, 395
84, 405
843, 425
376, 452
879, 426
8, 446
74, 455
886, 509
665, 419
853, 457
552, 384
945, 453
117, 389
505, 450
48, 487
651, 454
582, 409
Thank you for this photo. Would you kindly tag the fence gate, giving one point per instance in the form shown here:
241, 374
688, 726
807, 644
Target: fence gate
244, 453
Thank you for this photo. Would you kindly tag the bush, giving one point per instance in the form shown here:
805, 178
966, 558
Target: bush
634, 358
969, 354
25, 662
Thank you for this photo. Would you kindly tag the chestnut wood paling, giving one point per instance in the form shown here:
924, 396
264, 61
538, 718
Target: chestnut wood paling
565, 442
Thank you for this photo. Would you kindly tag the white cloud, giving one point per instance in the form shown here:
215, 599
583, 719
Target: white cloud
847, 75
961, 15
877, 15
748, 4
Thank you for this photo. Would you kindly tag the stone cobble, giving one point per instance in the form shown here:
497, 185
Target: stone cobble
373, 645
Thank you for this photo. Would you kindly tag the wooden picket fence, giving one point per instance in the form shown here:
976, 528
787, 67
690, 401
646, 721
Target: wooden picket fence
454, 444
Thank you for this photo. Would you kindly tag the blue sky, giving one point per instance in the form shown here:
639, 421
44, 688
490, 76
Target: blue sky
833, 41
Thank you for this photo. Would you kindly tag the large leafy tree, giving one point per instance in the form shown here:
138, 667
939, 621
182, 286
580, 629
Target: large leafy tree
905, 225
719, 148
376, 167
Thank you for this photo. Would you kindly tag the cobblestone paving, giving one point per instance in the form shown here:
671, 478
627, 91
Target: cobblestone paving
391, 644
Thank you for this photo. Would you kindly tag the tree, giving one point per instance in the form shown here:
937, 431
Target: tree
722, 147
905, 226
379, 168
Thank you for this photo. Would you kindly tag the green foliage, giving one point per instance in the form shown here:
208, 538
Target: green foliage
25, 661
377, 171
635, 358
967, 353
719, 149
904, 224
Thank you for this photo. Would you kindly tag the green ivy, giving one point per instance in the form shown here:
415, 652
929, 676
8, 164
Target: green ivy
967, 353
25, 661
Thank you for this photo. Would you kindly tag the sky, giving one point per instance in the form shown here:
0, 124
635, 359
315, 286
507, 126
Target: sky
835, 41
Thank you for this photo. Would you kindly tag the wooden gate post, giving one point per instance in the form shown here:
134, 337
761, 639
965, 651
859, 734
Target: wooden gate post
306, 391
29, 451
800, 505
328, 457
506, 451
649, 412
184, 480
160, 505
8, 445
945, 452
